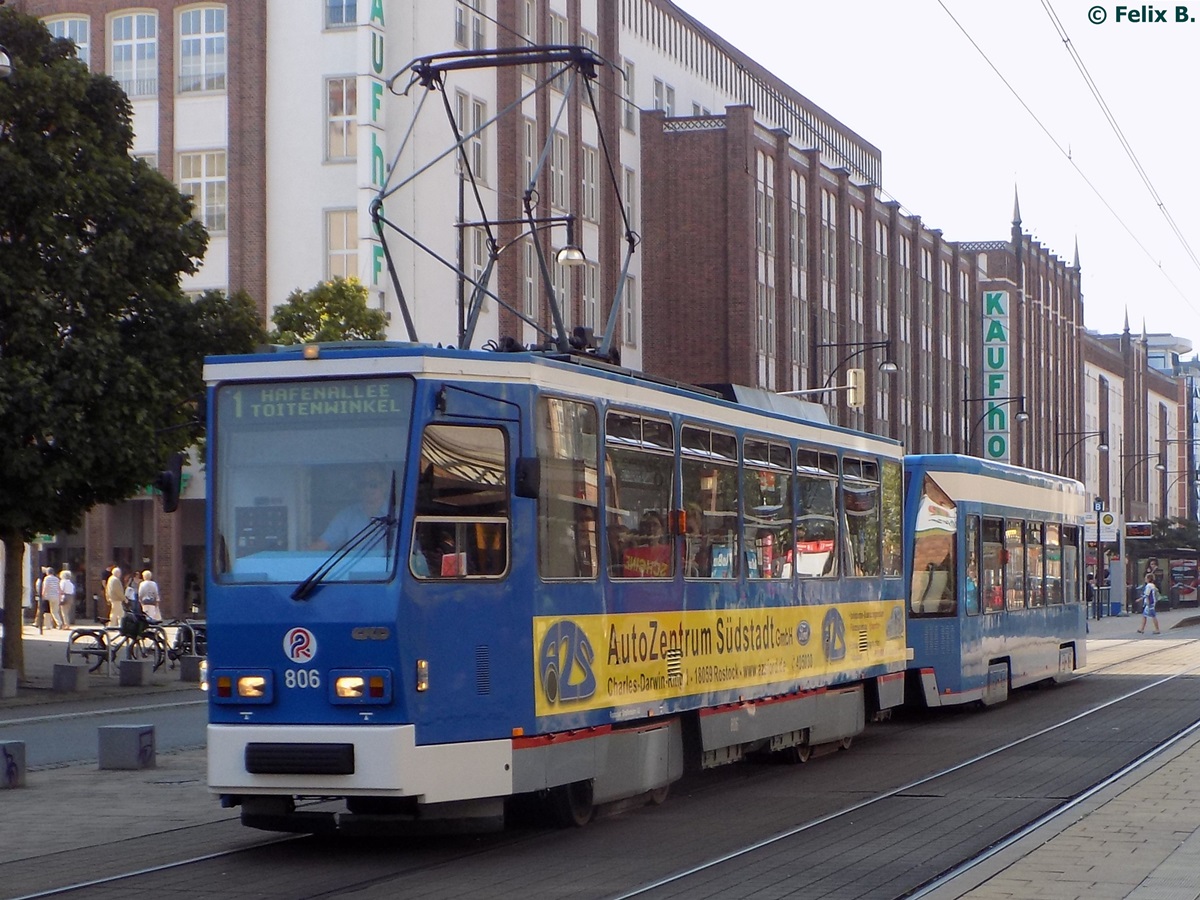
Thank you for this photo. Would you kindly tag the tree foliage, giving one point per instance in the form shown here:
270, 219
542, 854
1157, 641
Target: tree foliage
100, 349
332, 311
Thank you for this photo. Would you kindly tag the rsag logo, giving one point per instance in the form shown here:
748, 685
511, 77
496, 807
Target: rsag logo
300, 645
565, 663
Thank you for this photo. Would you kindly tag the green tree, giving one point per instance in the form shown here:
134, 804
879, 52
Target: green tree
332, 311
100, 350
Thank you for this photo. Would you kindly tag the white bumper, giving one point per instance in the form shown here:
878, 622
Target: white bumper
387, 763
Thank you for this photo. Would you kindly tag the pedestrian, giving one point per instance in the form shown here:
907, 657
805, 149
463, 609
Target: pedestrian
114, 593
132, 582
66, 586
149, 596
51, 598
1149, 601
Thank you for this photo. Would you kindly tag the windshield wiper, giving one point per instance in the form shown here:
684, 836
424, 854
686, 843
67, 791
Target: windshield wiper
363, 540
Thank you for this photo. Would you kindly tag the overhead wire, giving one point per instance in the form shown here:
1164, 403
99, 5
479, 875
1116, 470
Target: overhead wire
1067, 155
1116, 128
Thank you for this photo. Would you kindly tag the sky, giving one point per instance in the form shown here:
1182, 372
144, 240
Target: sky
967, 100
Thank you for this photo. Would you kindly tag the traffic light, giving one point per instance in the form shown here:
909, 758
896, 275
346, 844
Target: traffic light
856, 383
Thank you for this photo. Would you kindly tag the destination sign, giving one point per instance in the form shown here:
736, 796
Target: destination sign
369, 399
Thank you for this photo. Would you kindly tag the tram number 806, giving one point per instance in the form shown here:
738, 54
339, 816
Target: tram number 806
302, 678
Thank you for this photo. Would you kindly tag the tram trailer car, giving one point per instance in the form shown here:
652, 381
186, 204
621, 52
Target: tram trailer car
568, 581
995, 573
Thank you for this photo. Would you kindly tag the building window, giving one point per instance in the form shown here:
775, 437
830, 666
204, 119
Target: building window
472, 114
591, 194
135, 54
341, 118
529, 152
559, 36
630, 105
881, 277
664, 97
202, 177
340, 13
76, 31
342, 243
202, 49
631, 185
532, 275
857, 267
559, 183
630, 301
529, 34
560, 289
468, 24
591, 295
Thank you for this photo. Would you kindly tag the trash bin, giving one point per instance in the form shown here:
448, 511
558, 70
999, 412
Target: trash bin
1116, 608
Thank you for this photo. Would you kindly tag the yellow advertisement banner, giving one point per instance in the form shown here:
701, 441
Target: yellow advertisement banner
595, 662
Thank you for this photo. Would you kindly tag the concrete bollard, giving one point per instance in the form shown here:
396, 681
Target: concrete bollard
68, 678
127, 747
8, 684
189, 668
135, 672
12, 764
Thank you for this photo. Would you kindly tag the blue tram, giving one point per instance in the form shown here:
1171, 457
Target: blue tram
994, 565
439, 579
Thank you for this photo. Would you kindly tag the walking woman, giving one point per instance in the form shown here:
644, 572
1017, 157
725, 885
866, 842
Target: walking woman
1149, 601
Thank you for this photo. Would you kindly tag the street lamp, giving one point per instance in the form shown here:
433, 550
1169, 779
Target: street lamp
1083, 436
6, 66
1138, 459
887, 367
569, 255
1021, 417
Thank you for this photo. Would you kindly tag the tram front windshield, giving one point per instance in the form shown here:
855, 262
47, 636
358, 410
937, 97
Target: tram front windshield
308, 473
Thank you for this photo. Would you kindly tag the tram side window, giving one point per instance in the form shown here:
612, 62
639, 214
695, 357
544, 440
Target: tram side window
860, 500
933, 591
971, 588
461, 525
1070, 563
991, 581
708, 464
1053, 565
768, 509
1014, 554
816, 513
568, 496
1034, 565
892, 518
640, 453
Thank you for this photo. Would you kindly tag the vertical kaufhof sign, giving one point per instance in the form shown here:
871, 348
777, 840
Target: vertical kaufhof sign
996, 418
371, 88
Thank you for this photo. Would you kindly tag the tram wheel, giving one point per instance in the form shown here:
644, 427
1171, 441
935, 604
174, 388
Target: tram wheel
571, 805
798, 753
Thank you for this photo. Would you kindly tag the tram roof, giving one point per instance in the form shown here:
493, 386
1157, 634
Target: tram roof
574, 372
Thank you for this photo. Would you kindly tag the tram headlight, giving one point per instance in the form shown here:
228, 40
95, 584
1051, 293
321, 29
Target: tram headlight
241, 686
359, 686
252, 686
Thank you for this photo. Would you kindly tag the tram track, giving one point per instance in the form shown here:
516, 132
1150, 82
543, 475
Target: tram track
430, 860
671, 885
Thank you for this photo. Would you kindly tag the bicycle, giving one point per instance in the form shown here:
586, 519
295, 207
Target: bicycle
98, 646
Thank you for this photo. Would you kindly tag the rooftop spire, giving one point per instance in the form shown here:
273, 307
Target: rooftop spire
1016, 207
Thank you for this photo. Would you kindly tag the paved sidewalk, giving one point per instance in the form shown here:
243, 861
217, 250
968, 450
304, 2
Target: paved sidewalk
44, 651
